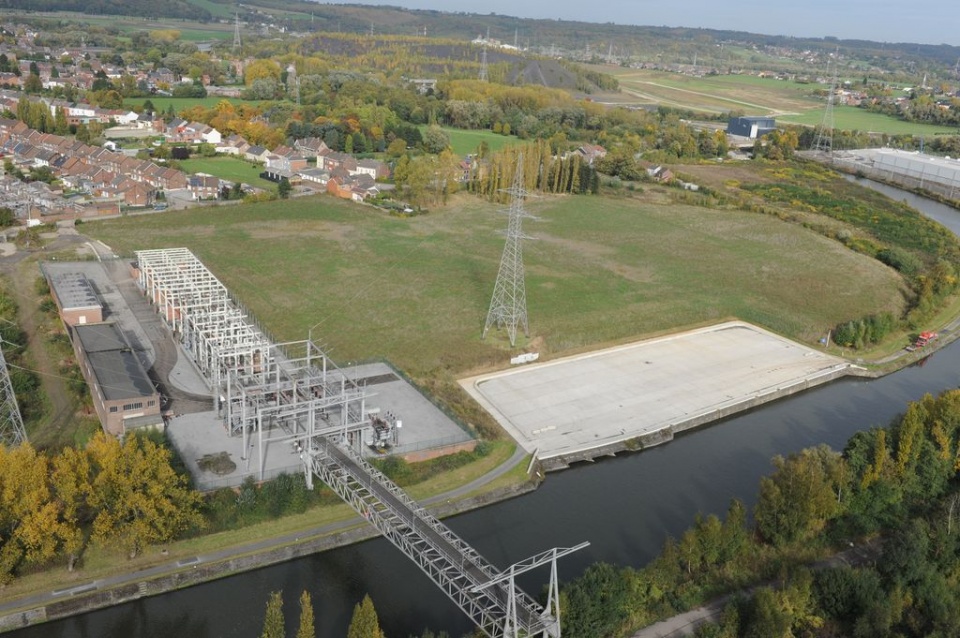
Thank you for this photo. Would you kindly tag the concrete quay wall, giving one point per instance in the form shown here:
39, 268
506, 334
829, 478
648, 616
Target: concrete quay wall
668, 433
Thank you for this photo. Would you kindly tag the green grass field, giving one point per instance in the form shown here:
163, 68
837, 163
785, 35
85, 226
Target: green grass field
179, 103
463, 142
715, 94
230, 168
602, 270
851, 118
791, 102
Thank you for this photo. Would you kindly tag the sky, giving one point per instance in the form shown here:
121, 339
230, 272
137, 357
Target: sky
927, 22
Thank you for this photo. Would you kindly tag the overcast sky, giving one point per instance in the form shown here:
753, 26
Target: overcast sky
929, 21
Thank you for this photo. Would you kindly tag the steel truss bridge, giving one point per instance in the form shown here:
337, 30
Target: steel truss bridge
293, 393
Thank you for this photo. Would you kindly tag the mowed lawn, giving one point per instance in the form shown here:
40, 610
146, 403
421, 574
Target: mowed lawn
162, 103
464, 142
229, 168
600, 270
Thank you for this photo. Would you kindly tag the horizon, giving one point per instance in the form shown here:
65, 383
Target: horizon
882, 21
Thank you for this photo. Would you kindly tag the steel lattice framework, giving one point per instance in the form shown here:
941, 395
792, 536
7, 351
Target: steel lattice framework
508, 307
271, 392
482, 75
12, 432
490, 598
824, 139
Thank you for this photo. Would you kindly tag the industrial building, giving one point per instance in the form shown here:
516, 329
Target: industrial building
752, 127
76, 299
922, 168
123, 395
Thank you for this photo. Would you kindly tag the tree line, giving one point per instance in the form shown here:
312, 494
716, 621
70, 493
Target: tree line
898, 482
110, 494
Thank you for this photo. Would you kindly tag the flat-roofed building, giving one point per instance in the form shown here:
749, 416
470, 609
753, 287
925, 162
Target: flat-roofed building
76, 298
752, 127
123, 395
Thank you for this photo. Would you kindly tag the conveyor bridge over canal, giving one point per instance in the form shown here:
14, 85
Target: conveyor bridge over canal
489, 597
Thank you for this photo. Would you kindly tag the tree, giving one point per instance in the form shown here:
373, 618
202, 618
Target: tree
32, 530
798, 498
284, 188
397, 148
60, 124
435, 140
138, 498
273, 623
33, 84
261, 70
306, 629
365, 623
7, 217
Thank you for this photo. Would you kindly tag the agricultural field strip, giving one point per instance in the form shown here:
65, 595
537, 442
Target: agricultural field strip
717, 97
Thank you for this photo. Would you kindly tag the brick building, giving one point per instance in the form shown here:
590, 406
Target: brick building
76, 299
123, 394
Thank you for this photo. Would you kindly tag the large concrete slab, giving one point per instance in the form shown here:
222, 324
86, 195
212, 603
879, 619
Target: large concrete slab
568, 407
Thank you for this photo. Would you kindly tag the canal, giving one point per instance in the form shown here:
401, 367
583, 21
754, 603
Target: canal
625, 506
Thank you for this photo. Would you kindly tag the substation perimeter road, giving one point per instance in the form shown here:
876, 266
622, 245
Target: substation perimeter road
183, 564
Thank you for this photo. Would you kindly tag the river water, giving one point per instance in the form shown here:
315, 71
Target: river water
625, 507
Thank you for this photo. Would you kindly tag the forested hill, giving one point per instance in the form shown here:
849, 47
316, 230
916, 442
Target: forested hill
140, 8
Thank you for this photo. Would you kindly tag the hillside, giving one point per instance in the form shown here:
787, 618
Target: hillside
139, 8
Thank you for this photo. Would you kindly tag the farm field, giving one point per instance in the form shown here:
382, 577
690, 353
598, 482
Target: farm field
716, 94
463, 142
190, 31
790, 102
416, 290
229, 168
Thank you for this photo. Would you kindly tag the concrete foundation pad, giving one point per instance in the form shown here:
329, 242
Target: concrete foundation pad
642, 393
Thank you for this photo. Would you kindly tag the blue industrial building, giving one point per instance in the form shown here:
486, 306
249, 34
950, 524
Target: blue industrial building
752, 127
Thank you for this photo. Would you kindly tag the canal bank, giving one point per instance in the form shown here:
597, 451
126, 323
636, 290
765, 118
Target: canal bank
84, 597
625, 506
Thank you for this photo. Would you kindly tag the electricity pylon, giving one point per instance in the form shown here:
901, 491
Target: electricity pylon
508, 307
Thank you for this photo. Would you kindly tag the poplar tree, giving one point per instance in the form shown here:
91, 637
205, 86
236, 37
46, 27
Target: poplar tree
273, 622
365, 623
306, 629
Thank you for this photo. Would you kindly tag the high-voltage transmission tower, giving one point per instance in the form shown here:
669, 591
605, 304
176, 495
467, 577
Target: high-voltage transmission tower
824, 140
508, 307
482, 76
12, 432
236, 32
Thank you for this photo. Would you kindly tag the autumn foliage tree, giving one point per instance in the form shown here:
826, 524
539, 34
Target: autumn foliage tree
114, 494
138, 497
33, 530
